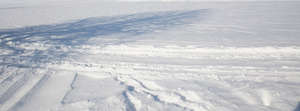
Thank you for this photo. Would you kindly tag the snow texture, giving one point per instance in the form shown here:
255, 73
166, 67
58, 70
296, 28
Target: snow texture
212, 56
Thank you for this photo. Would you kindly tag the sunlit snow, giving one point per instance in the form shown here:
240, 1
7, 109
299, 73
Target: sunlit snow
149, 56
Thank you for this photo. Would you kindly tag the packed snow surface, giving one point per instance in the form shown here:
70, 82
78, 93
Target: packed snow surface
104, 56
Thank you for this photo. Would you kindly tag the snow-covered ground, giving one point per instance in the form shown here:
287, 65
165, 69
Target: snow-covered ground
150, 56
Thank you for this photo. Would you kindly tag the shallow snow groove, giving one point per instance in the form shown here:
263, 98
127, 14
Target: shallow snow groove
71, 88
29, 94
18, 92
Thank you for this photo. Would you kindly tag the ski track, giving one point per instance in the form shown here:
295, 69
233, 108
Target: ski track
77, 66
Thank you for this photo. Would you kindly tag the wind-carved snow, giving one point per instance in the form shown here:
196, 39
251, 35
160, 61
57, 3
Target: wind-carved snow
138, 62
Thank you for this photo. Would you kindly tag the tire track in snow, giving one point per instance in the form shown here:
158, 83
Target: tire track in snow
24, 88
13, 88
29, 94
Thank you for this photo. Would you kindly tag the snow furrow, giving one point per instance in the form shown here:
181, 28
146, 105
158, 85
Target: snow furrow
27, 96
71, 88
27, 83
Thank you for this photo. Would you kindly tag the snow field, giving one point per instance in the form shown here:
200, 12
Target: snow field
185, 57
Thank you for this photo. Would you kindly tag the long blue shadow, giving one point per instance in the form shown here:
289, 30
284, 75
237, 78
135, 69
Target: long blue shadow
81, 30
78, 32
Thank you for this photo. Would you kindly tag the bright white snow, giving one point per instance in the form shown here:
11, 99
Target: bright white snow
110, 56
